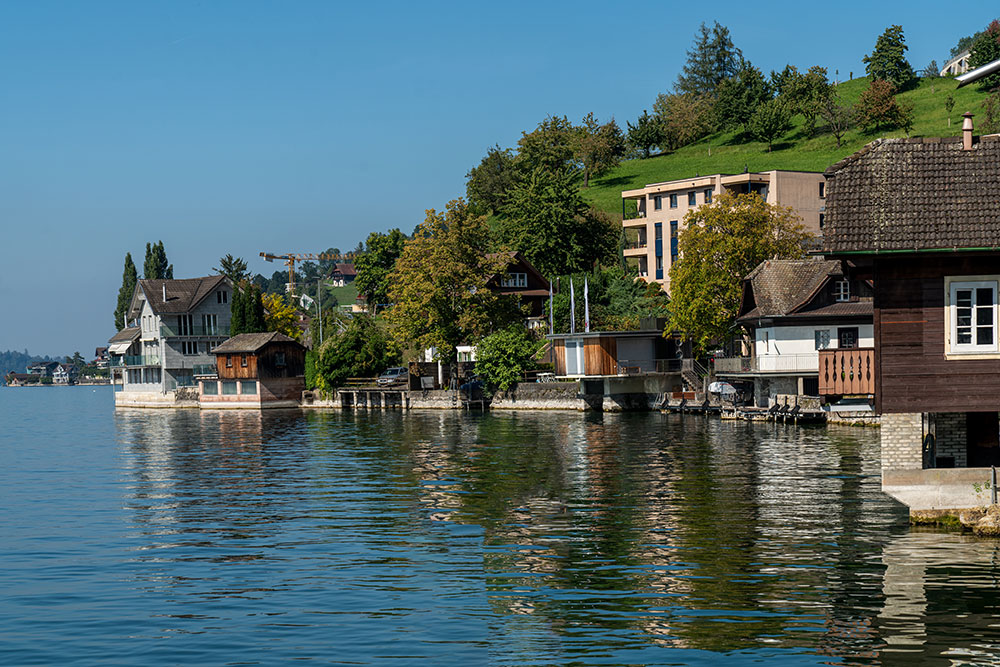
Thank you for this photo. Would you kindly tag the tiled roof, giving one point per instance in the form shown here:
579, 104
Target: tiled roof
908, 194
182, 295
251, 342
126, 335
782, 286
345, 270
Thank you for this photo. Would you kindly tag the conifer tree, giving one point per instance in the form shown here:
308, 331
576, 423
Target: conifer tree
155, 266
713, 58
237, 321
129, 278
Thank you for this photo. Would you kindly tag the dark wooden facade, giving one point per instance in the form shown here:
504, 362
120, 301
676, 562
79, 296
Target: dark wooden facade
264, 363
911, 369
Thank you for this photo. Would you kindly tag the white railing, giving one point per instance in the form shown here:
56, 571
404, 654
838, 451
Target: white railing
769, 363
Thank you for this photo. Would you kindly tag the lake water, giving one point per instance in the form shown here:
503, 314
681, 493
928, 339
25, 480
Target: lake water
186, 537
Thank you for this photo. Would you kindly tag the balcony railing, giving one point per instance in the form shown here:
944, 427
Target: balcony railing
769, 363
636, 245
204, 369
134, 360
169, 332
847, 372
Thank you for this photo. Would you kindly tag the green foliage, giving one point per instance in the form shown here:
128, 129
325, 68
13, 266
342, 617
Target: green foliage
12, 361
984, 50
646, 134
440, 284
234, 268
991, 114
878, 107
617, 300
246, 310
504, 356
279, 314
547, 220
807, 94
683, 118
129, 279
549, 146
720, 245
837, 116
888, 61
362, 349
965, 44
712, 59
738, 97
155, 266
310, 369
375, 265
771, 120
488, 183
597, 147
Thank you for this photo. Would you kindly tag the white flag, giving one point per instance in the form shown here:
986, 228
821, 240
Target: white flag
586, 307
572, 308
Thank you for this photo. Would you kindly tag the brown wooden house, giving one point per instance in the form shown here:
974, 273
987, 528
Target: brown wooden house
260, 370
523, 281
921, 219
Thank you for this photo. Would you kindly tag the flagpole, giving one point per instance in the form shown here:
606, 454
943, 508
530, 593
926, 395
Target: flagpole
586, 307
552, 327
572, 307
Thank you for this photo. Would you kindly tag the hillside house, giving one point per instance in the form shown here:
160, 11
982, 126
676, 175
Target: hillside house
921, 218
43, 368
259, 370
524, 282
793, 312
653, 216
342, 275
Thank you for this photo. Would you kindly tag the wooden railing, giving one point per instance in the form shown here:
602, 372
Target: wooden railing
847, 372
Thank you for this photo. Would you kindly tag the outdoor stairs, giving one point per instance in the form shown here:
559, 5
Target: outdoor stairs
694, 374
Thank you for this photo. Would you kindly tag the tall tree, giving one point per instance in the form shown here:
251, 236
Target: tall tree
362, 348
375, 264
838, 116
878, 107
280, 315
722, 243
888, 60
712, 59
547, 220
440, 285
807, 94
646, 134
156, 266
984, 50
549, 146
597, 146
771, 120
234, 268
237, 310
488, 183
738, 97
129, 279
683, 118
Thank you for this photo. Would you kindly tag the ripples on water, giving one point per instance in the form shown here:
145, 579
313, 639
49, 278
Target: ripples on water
166, 537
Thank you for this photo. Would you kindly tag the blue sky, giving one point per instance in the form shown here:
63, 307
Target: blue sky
237, 127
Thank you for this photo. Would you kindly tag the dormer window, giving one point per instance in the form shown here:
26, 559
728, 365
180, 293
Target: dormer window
222, 296
515, 280
842, 290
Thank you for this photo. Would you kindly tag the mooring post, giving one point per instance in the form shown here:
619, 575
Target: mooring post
993, 485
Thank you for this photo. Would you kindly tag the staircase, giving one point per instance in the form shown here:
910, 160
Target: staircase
695, 375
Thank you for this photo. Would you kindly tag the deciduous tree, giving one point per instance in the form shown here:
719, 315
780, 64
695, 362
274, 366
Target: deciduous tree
549, 146
374, 266
738, 97
646, 134
504, 356
597, 146
129, 279
280, 315
488, 183
888, 60
807, 94
838, 117
721, 244
440, 284
684, 118
771, 120
362, 348
984, 50
878, 107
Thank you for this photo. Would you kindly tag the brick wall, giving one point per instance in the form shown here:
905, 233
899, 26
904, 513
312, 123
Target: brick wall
950, 436
902, 437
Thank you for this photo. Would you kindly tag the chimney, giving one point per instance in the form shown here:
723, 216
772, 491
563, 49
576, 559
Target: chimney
165, 282
967, 131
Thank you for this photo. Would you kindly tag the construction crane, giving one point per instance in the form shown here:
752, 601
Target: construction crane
292, 257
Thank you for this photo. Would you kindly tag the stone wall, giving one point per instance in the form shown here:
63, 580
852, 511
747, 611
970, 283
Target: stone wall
950, 436
157, 399
540, 396
902, 436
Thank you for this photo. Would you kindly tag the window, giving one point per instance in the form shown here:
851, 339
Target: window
659, 265
842, 290
659, 231
210, 323
673, 201
657, 203
279, 358
821, 218
708, 196
574, 356
847, 338
229, 361
210, 388
822, 190
973, 316
229, 388
222, 296
691, 199
243, 360
189, 347
185, 327
822, 339
515, 280
248, 387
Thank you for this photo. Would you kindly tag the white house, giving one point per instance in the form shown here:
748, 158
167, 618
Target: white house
791, 310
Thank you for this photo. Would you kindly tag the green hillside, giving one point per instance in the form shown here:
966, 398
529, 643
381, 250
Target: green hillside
721, 152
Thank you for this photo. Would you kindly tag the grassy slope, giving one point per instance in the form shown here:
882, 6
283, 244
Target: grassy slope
793, 151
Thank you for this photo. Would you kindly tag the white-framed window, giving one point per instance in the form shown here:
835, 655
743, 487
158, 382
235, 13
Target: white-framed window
515, 280
222, 296
842, 290
973, 316
822, 339
210, 323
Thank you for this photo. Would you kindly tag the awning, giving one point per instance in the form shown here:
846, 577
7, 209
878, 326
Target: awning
119, 348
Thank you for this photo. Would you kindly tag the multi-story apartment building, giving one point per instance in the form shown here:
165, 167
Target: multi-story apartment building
179, 323
653, 216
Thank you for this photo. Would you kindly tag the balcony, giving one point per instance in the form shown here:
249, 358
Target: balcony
769, 363
204, 370
134, 360
847, 372
173, 332
635, 222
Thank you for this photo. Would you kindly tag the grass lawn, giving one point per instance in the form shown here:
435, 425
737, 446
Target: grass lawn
345, 295
725, 152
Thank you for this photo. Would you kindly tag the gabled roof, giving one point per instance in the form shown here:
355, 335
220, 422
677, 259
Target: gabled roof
251, 342
781, 287
126, 335
345, 270
914, 194
517, 258
183, 295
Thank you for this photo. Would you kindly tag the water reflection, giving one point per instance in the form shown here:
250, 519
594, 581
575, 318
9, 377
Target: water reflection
541, 538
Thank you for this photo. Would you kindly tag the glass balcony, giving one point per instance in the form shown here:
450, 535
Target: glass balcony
195, 330
141, 360
205, 370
